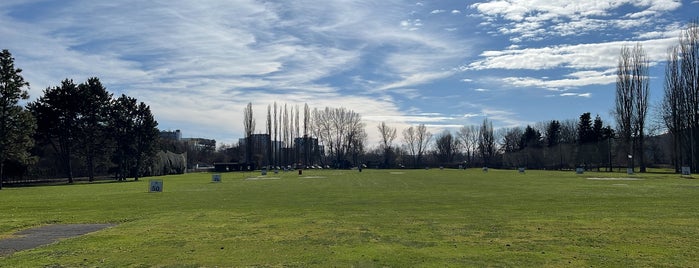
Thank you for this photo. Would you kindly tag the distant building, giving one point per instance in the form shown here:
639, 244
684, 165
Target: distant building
171, 135
260, 143
307, 150
200, 144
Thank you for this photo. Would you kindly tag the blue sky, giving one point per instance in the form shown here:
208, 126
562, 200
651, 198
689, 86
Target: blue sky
442, 63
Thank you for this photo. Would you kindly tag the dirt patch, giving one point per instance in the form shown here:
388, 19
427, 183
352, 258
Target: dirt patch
45, 235
314, 177
397, 173
614, 179
262, 178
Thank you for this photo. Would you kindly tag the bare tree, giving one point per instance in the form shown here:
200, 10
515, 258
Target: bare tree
416, 139
297, 134
269, 135
468, 136
275, 150
680, 107
388, 135
486, 142
341, 131
286, 131
641, 92
632, 101
306, 134
410, 140
624, 101
446, 147
249, 125
510, 139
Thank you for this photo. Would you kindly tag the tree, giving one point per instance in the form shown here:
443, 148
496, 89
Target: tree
410, 140
57, 113
468, 136
531, 138
586, 133
249, 126
511, 139
270, 151
388, 135
417, 139
16, 124
553, 133
146, 136
632, 100
680, 108
342, 132
306, 134
135, 133
486, 142
673, 107
91, 123
446, 147
641, 93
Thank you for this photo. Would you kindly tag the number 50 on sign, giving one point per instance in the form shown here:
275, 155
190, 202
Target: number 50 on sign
155, 186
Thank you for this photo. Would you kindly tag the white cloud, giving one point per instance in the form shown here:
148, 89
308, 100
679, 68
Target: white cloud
437, 11
534, 20
198, 64
582, 78
584, 95
503, 118
417, 79
582, 56
455, 11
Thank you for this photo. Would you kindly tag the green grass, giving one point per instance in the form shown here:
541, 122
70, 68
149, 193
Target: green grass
376, 218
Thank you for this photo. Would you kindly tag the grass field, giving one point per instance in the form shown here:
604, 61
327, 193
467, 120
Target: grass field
376, 218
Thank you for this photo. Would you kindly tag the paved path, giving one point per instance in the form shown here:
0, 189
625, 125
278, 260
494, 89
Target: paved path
45, 235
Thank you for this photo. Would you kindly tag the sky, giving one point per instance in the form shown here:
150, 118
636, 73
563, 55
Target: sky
444, 63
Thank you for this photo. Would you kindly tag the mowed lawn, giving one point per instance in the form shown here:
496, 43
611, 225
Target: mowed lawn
374, 218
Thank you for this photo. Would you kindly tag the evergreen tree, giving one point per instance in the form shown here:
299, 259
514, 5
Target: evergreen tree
93, 110
16, 124
135, 132
553, 133
57, 113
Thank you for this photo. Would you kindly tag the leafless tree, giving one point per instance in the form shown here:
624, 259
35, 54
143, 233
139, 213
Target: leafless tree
416, 139
341, 131
446, 147
680, 106
410, 140
249, 125
275, 150
641, 93
510, 139
468, 136
486, 142
632, 101
388, 135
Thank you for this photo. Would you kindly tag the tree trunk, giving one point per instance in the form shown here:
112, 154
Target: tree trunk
641, 154
90, 167
2, 171
69, 168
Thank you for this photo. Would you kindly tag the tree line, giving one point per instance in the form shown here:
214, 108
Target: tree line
72, 125
339, 130
585, 142
680, 105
